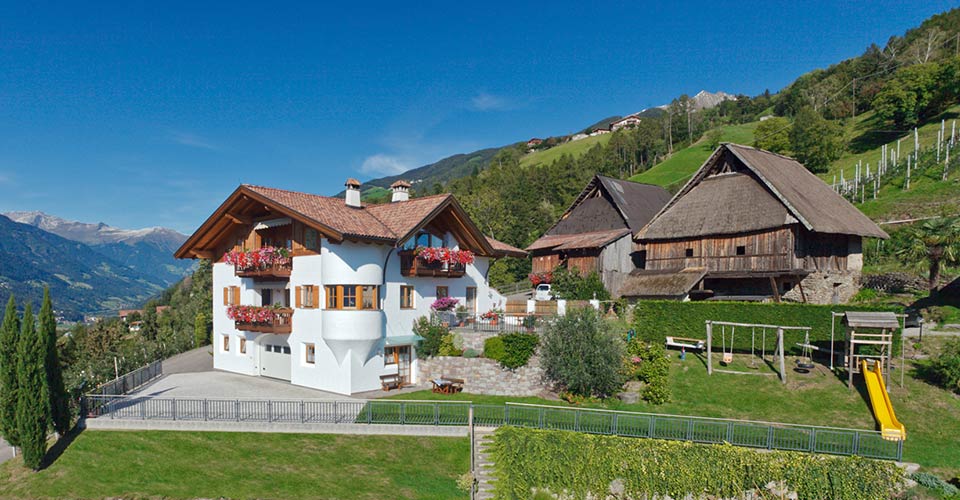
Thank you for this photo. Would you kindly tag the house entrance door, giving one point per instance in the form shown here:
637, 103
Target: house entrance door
403, 364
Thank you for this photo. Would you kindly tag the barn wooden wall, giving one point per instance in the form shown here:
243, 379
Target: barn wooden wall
780, 249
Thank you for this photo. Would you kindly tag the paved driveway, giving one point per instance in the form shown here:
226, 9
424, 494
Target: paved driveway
218, 384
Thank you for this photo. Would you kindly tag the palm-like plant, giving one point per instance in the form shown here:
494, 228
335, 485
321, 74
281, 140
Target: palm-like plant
936, 242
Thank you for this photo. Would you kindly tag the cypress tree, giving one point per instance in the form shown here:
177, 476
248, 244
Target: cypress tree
9, 341
57, 394
32, 403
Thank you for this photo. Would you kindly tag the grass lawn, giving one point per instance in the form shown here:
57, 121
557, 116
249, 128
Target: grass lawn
157, 464
679, 167
573, 148
930, 414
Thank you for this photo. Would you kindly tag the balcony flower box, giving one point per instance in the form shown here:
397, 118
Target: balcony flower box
428, 261
263, 262
261, 319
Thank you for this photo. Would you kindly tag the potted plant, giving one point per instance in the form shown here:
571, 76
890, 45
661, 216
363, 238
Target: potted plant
530, 322
493, 315
443, 307
463, 316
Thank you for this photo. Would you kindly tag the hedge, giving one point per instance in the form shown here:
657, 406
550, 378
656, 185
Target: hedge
583, 464
655, 319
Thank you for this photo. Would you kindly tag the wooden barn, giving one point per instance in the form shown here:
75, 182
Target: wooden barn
753, 225
595, 233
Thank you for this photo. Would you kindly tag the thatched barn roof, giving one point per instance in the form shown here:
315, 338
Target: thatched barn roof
606, 205
740, 189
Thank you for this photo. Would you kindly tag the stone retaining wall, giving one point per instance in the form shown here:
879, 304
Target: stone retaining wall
826, 287
485, 376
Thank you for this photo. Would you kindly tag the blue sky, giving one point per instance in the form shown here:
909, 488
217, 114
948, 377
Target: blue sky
142, 114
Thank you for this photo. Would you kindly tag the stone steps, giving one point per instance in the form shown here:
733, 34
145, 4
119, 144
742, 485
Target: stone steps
484, 473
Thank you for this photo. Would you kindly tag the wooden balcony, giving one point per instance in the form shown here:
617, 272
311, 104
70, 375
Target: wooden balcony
413, 265
281, 323
271, 271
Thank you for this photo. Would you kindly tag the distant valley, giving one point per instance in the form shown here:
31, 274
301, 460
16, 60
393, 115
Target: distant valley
90, 268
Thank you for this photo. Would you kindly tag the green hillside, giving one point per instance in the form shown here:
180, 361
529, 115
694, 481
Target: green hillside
572, 148
679, 167
928, 195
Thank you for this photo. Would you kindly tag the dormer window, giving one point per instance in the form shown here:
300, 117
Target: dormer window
425, 239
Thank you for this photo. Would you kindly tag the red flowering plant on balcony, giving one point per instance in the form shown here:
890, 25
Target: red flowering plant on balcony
444, 304
538, 278
253, 314
444, 255
259, 259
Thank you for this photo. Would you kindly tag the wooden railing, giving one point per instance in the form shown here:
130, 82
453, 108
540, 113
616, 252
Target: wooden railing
273, 270
414, 265
282, 322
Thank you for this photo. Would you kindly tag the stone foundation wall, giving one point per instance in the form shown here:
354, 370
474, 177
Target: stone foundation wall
485, 376
827, 287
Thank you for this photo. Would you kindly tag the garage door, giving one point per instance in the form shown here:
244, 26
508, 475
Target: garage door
275, 358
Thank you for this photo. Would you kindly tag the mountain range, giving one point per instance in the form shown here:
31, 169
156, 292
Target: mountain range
90, 268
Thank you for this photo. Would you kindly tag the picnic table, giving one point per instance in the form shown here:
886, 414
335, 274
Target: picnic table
447, 385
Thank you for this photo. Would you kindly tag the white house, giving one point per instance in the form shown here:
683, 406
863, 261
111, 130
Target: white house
324, 291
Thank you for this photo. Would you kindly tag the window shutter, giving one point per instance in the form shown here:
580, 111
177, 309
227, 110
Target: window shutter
299, 297
316, 296
226, 295
236, 295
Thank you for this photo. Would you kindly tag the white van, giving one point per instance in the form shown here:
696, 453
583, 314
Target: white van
543, 292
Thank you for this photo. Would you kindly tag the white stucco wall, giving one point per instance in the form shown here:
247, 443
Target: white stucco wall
348, 344
234, 360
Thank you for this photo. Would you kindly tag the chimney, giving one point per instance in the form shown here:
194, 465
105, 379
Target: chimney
401, 191
353, 193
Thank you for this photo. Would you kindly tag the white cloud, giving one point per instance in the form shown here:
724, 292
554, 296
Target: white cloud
382, 164
193, 141
488, 102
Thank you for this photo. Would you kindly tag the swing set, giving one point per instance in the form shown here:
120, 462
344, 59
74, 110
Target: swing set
726, 347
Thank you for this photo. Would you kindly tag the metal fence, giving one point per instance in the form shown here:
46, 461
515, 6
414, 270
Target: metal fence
754, 434
132, 380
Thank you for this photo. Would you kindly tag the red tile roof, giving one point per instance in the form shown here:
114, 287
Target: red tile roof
389, 222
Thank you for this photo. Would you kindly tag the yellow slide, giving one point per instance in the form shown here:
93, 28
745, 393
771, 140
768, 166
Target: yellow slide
890, 428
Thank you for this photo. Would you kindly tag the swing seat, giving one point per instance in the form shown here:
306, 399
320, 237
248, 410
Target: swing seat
728, 358
804, 365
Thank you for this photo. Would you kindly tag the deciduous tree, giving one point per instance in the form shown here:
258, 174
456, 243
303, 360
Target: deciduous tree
815, 142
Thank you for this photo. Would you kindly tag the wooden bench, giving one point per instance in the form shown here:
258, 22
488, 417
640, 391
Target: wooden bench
447, 385
391, 381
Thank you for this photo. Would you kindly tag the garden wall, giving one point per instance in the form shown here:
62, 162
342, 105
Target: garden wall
485, 376
655, 319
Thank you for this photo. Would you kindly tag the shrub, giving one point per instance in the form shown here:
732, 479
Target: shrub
570, 285
932, 482
582, 354
471, 353
587, 466
494, 348
652, 366
518, 347
944, 368
448, 346
432, 331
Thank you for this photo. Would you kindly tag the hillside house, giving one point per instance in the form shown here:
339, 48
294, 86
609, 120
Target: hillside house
534, 142
595, 233
625, 122
753, 225
323, 292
